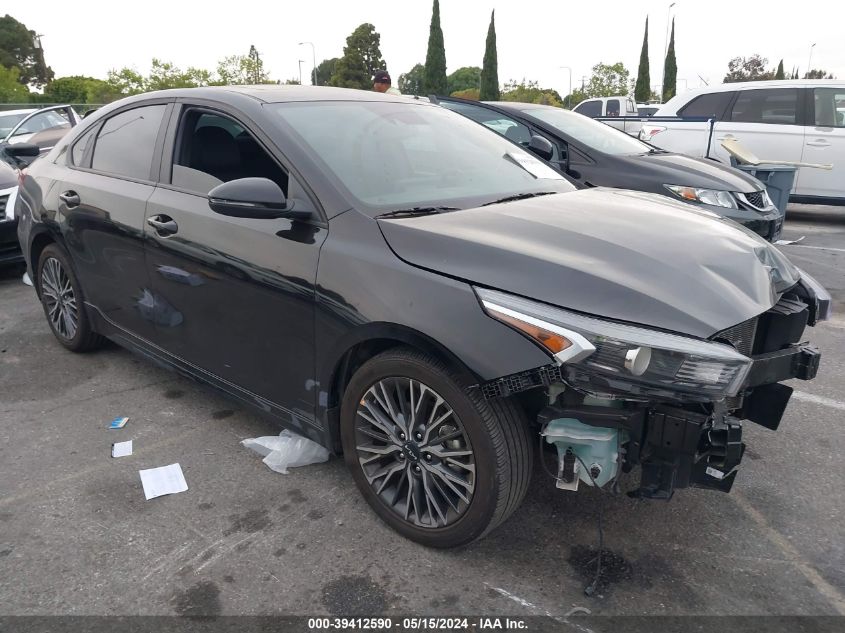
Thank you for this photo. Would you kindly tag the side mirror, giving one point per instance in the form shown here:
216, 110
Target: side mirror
541, 146
19, 150
258, 198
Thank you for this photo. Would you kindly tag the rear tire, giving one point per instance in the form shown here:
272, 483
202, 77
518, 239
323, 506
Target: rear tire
438, 478
63, 301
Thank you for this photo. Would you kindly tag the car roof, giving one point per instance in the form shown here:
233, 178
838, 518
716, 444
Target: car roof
274, 93
519, 105
23, 111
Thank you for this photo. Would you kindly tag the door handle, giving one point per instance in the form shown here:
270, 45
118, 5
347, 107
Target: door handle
70, 198
818, 143
163, 224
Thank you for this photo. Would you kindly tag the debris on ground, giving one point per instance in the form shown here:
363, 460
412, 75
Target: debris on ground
118, 423
788, 242
165, 480
27, 281
287, 450
121, 449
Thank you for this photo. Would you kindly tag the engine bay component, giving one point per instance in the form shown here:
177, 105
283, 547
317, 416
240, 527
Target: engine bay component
576, 442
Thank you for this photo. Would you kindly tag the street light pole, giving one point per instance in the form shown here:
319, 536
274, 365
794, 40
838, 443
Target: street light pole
313, 61
809, 61
300, 71
569, 96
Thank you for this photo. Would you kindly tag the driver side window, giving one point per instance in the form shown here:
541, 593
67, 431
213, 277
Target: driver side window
212, 149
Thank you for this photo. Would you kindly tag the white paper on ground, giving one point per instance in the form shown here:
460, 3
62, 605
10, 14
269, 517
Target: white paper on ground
788, 242
165, 480
26, 279
121, 449
287, 450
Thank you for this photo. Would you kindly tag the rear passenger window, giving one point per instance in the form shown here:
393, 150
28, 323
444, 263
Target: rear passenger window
212, 149
126, 142
613, 107
778, 106
711, 105
589, 108
79, 147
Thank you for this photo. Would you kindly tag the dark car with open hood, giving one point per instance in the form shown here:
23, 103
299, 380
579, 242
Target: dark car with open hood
414, 291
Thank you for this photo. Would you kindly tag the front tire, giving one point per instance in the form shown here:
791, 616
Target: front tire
435, 460
63, 301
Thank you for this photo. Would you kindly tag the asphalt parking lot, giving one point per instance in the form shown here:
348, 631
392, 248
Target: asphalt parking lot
77, 536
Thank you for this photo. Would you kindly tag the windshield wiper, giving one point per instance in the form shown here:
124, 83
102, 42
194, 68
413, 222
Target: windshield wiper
520, 196
410, 213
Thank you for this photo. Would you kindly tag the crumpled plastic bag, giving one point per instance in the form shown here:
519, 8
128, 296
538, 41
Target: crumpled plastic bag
287, 450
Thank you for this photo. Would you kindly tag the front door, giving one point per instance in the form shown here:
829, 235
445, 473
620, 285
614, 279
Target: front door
768, 122
824, 142
234, 297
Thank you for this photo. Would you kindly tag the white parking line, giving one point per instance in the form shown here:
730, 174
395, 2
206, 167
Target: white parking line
818, 248
825, 402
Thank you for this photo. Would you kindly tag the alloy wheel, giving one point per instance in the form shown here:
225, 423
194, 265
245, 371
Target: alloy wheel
60, 299
414, 452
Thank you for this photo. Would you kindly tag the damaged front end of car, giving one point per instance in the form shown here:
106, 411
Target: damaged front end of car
620, 396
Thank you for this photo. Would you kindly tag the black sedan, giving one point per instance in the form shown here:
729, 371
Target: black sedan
594, 154
412, 290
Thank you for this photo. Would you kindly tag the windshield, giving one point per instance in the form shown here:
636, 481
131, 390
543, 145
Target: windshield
395, 156
9, 121
593, 134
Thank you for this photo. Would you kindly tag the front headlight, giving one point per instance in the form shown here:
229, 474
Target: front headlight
622, 354
706, 196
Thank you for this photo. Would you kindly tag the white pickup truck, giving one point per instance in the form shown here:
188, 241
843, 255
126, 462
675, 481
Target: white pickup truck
619, 112
799, 121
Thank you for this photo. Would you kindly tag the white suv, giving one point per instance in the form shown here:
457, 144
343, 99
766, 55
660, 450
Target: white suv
792, 120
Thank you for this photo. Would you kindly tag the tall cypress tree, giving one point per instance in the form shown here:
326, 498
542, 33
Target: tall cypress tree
642, 92
670, 69
434, 79
490, 67
780, 74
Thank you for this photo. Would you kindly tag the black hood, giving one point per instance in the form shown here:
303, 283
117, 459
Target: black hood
677, 169
623, 255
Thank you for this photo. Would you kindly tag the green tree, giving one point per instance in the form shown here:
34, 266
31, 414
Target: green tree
469, 93
489, 90
74, 89
670, 69
164, 75
325, 70
241, 70
642, 91
11, 89
818, 74
463, 79
125, 82
434, 79
606, 81
780, 74
20, 48
411, 82
361, 59
530, 92
748, 69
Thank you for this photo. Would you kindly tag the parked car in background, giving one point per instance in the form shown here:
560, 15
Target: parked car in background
417, 292
594, 154
614, 111
43, 127
10, 251
647, 109
791, 120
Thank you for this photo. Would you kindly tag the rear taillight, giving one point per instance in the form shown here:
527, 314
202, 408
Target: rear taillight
648, 132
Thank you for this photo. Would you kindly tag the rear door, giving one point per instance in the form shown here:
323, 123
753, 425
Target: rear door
234, 296
767, 121
102, 199
824, 142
